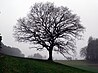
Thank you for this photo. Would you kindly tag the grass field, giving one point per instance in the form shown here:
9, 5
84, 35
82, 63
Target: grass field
10, 64
81, 64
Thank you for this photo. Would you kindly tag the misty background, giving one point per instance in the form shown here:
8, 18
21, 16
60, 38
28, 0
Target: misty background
12, 10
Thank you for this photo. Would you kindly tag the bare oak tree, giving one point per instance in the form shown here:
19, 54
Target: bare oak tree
53, 28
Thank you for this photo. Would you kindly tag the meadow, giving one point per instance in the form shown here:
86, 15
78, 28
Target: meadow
11, 64
81, 64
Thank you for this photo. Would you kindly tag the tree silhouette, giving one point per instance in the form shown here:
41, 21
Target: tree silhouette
53, 28
11, 51
83, 52
36, 56
91, 51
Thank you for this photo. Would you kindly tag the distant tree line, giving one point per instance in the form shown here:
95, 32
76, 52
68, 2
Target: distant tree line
11, 51
37, 56
90, 52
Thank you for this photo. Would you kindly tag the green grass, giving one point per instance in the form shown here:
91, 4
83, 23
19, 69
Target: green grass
10, 64
81, 64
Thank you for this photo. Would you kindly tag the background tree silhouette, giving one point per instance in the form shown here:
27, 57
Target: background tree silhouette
11, 51
37, 56
91, 51
83, 52
53, 28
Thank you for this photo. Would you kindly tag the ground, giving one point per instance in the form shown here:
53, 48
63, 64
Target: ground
11, 64
81, 64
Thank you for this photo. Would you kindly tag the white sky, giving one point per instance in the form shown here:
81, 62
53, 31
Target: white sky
12, 10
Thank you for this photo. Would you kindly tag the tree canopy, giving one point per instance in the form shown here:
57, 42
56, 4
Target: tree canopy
53, 28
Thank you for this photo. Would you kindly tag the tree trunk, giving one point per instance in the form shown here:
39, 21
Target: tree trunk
50, 55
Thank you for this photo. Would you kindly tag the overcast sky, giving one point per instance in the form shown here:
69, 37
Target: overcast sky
12, 10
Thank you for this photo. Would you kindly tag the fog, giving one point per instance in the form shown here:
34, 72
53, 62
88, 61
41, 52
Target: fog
12, 10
